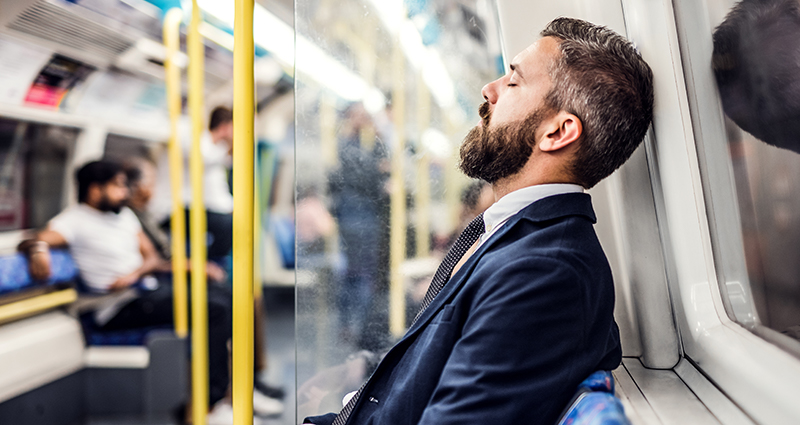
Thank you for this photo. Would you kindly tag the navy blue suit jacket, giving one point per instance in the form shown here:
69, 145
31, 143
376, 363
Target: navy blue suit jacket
512, 334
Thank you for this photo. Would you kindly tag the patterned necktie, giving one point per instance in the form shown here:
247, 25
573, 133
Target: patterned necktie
464, 242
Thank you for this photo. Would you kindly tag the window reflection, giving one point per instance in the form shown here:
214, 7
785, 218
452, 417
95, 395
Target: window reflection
756, 62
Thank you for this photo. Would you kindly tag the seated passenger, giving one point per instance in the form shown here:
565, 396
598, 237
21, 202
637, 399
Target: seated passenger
112, 254
141, 175
521, 309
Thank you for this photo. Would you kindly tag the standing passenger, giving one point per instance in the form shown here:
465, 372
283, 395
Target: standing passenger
216, 146
527, 312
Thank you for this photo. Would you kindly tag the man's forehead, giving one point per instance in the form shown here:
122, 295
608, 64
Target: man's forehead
544, 47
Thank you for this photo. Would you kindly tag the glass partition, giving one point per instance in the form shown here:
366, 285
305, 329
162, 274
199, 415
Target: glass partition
385, 91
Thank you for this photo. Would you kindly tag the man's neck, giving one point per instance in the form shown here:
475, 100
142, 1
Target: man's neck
540, 169
90, 205
521, 180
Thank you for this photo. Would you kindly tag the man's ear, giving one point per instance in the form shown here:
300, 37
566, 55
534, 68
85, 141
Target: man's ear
560, 131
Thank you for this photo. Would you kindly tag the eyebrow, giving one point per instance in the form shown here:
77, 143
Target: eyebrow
516, 69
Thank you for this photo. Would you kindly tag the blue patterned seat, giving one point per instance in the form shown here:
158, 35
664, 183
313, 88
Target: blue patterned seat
594, 403
14, 275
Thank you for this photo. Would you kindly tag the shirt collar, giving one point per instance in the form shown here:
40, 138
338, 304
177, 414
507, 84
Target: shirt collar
514, 202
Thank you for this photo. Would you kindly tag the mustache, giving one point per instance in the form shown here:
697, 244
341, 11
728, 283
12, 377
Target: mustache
485, 113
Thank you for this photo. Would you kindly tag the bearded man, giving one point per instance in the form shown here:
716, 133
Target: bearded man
113, 255
521, 309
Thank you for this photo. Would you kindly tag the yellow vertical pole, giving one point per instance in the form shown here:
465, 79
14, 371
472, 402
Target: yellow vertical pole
397, 220
423, 193
327, 132
453, 180
243, 132
257, 281
172, 23
197, 222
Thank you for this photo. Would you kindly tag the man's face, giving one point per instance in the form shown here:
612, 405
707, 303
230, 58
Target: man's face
518, 94
501, 144
225, 132
114, 194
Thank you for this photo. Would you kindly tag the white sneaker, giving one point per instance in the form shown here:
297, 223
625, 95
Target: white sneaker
266, 406
221, 414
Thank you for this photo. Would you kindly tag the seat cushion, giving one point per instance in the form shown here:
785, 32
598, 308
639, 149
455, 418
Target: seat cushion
602, 380
595, 408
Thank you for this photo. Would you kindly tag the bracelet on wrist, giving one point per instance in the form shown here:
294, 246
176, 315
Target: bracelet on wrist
38, 246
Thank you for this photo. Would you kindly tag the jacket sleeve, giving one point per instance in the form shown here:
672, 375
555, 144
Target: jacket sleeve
516, 357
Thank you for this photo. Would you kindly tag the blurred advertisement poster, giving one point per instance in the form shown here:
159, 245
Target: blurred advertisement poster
16, 75
59, 75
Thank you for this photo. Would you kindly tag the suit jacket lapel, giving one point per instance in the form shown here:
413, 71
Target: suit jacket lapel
457, 280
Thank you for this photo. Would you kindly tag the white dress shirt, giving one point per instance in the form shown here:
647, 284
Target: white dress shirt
506, 207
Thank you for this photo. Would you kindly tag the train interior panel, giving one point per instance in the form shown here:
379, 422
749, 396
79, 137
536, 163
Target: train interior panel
330, 226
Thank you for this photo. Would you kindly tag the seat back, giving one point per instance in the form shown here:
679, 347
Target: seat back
594, 403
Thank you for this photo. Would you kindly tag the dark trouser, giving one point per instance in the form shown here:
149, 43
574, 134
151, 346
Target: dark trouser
154, 308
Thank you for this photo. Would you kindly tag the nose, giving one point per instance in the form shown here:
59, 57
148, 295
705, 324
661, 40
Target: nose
490, 92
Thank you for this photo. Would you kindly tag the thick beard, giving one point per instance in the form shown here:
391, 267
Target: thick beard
498, 153
106, 206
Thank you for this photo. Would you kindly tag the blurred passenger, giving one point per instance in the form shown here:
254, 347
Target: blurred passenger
527, 313
360, 202
113, 256
141, 179
475, 199
216, 146
141, 175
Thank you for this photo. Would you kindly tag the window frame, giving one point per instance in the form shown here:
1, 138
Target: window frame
755, 374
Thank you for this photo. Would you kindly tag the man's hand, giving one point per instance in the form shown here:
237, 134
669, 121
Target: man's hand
215, 272
37, 250
124, 281
39, 261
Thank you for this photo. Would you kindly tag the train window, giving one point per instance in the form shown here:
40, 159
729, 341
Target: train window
751, 164
385, 91
33, 159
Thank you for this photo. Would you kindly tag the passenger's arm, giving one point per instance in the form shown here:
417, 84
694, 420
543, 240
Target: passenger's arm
150, 263
37, 250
